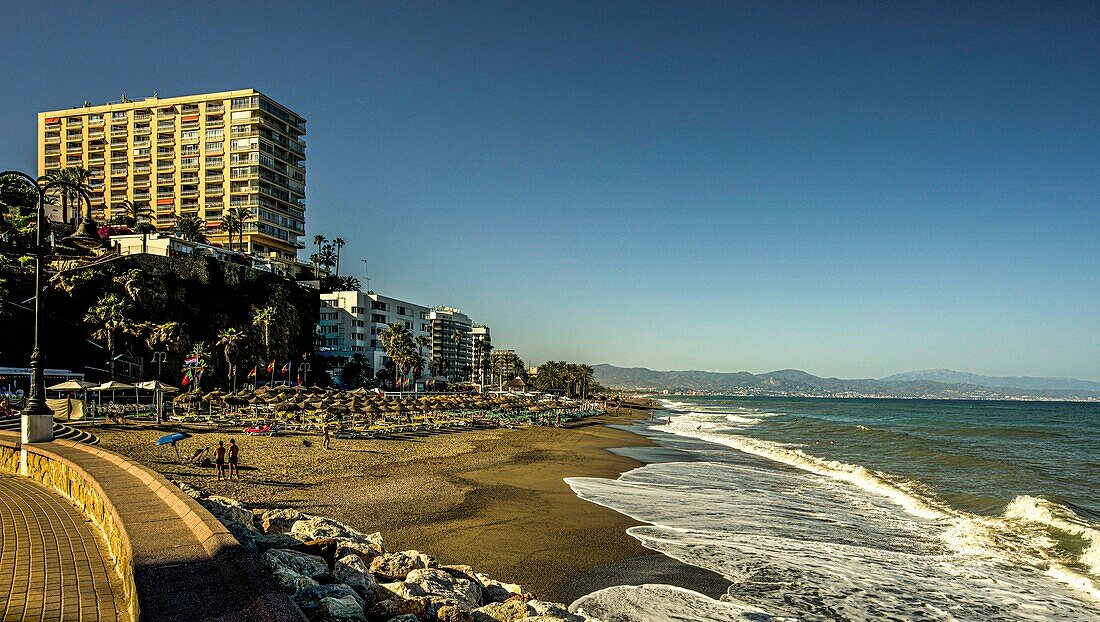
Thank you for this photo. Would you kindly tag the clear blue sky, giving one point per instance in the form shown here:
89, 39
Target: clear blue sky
854, 190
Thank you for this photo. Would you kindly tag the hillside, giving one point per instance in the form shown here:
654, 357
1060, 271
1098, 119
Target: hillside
793, 382
1014, 382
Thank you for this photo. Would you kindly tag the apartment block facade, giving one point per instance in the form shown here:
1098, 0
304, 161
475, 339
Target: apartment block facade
351, 321
199, 155
452, 351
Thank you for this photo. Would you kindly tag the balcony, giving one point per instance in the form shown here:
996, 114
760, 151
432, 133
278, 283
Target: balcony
191, 166
53, 151
189, 193
96, 135
118, 159
142, 131
118, 184
166, 168
52, 140
214, 178
74, 121
141, 168
141, 196
95, 160
95, 120
141, 183
214, 122
166, 112
118, 133
211, 107
74, 148
166, 141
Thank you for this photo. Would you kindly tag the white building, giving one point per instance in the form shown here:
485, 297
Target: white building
350, 323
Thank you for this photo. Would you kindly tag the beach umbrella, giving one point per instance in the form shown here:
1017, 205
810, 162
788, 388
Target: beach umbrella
71, 385
171, 439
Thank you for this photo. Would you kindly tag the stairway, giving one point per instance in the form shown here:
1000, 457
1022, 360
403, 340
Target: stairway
60, 430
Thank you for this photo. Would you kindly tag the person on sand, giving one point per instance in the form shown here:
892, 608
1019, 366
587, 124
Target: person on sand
219, 460
325, 440
234, 451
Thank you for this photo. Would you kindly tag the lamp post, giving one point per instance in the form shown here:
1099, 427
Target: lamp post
159, 358
304, 368
37, 418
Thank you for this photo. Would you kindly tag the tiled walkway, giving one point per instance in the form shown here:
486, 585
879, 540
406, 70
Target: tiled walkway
53, 563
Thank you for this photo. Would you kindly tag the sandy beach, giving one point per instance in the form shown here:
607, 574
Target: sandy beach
492, 498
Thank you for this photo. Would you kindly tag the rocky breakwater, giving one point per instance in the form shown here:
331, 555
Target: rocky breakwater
337, 574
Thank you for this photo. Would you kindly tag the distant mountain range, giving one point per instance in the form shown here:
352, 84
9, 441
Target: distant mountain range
939, 383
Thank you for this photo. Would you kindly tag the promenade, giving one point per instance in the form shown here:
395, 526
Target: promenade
53, 563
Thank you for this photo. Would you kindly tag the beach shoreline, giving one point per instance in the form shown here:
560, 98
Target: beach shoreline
492, 498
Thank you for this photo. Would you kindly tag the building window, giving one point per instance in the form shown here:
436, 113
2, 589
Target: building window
378, 318
378, 306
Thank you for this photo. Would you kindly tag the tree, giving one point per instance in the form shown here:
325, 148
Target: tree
134, 213
75, 175
229, 339
264, 317
198, 351
357, 373
191, 228
233, 222
108, 317
398, 344
349, 284
327, 257
339, 244
318, 240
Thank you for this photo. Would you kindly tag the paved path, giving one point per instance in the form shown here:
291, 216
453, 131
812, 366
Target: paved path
53, 564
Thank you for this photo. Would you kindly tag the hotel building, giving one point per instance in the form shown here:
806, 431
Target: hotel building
197, 155
452, 351
351, 321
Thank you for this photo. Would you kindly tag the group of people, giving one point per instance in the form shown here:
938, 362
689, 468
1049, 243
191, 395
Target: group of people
230, 455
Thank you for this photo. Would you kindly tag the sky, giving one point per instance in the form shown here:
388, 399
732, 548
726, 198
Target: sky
851, 189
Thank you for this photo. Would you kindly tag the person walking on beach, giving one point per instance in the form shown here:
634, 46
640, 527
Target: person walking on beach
219, 460
234, 451
325, 441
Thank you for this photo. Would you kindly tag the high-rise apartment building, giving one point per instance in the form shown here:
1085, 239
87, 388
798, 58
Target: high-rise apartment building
199, 155
452, 351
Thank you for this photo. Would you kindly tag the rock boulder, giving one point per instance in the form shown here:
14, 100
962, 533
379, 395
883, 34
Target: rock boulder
306, 565
229, 511
396, 566
439, 583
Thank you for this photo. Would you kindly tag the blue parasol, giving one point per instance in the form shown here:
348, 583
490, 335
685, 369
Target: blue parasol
170, 439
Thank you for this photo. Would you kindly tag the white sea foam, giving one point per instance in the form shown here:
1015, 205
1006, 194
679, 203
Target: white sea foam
834, 541
663, 603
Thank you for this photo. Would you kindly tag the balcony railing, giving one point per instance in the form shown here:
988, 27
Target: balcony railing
52, 140
141, 168
95, 121
164, 142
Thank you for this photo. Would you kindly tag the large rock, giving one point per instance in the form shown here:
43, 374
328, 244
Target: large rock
493, 591
309, 598
280, 521
508, 611
436, 582
397, 566
401, 589
555, 611
354, 572
451, 612
407, 617
265, 542
306, 565
245, 536
325, 548
365, 550
229, 511
291, 582
392, 607
314, 527
343, 609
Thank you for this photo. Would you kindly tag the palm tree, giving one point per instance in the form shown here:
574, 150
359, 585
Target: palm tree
229, 338
233, 222
318, 240
76, 175
327, 256
422, 341
191, 228
108, 316
134, 212
397, 343
339, 244
264, 317
348, 284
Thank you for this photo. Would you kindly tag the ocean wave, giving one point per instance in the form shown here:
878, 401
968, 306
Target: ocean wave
1011, 536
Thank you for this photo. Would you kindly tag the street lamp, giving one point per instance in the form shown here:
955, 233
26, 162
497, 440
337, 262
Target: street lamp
37, 418
304, 368
159, 358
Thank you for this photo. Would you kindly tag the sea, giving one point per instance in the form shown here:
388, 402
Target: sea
864, 509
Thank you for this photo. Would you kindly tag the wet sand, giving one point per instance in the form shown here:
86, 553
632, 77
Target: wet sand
494, 499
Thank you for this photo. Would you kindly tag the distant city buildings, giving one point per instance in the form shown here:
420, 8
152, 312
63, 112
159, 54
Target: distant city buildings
197, 155
481, 346
452, 354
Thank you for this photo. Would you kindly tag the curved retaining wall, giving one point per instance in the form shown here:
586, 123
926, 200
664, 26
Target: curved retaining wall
175, 559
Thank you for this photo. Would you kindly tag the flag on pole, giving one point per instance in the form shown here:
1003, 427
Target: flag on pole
186, 380
285, 369
271, 366
194, 360
252, 374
